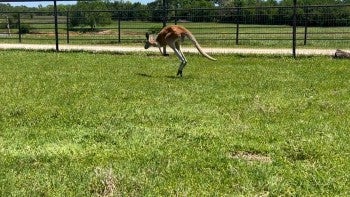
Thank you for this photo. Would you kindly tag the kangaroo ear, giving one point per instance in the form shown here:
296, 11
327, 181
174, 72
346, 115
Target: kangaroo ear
147, 35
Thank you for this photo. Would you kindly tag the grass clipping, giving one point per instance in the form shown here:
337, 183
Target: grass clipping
103, 182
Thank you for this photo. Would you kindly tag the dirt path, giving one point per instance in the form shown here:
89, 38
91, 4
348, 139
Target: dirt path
123, 49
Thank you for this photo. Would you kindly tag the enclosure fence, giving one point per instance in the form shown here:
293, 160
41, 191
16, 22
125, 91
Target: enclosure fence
326, 26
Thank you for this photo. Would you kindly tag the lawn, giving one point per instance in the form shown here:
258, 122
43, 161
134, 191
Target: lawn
83, 124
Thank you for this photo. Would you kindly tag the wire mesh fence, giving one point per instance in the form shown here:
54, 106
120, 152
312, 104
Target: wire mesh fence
315, 26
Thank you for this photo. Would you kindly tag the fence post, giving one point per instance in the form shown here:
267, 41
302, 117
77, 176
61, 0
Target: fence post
237, 26
56, 23
19, 28
306, 12
164, 22
294, 27
119, 28
175, 13
68, 27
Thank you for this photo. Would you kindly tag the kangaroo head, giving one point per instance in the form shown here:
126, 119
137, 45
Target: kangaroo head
150, 41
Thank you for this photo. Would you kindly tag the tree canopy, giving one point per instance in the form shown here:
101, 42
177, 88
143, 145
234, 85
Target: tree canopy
244, 11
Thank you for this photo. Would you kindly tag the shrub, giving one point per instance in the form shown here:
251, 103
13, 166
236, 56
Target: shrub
24, 29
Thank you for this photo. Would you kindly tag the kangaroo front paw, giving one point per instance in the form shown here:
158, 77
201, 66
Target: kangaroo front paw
179, 72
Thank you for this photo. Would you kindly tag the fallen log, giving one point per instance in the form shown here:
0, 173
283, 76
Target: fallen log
341, 54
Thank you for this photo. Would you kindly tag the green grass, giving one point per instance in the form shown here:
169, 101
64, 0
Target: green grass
82, 124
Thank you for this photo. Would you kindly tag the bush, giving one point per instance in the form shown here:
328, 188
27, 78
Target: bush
24, 29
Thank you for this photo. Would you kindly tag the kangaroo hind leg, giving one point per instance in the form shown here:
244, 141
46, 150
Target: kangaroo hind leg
176, 47
183, 59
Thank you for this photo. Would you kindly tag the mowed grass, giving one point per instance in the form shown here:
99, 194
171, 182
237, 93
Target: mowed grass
83, 124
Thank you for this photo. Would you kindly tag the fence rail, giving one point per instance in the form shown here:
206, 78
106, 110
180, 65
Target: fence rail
278, 26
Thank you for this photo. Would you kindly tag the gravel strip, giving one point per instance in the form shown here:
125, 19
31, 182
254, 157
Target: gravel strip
123, 49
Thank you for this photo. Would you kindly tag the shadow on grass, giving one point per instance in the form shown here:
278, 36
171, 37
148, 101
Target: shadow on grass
144, 75
174, 77
185, 77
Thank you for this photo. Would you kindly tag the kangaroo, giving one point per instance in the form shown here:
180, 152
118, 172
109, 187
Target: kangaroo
173, 36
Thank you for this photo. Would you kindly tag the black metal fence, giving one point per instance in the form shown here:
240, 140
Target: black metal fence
278, 26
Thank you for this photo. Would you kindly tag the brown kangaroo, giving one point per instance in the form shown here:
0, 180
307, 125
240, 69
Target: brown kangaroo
173, 36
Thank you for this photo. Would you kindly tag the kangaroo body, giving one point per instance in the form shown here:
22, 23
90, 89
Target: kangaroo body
173, 36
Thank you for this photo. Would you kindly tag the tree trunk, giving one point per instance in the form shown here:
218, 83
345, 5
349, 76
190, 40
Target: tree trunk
341, 54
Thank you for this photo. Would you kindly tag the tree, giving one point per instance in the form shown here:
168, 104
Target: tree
91, 13
128, 11
198, 10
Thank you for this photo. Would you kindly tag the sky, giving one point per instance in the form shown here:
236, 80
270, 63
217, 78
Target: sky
45, 3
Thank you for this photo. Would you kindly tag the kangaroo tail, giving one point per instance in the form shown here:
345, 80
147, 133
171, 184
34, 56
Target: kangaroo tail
199, 48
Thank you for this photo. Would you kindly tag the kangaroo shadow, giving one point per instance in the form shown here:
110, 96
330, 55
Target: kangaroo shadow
173, 77
186, 77
144, 75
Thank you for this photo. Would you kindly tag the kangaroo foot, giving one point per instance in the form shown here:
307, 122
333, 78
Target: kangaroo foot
179, 72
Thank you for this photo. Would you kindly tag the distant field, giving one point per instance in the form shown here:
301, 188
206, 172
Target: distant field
82, 124
209, 34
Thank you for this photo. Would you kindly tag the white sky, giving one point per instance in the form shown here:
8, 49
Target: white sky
45, 3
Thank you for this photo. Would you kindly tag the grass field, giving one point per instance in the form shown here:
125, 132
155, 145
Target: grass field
82, 124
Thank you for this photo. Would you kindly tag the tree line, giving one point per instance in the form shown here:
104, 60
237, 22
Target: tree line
314, 12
